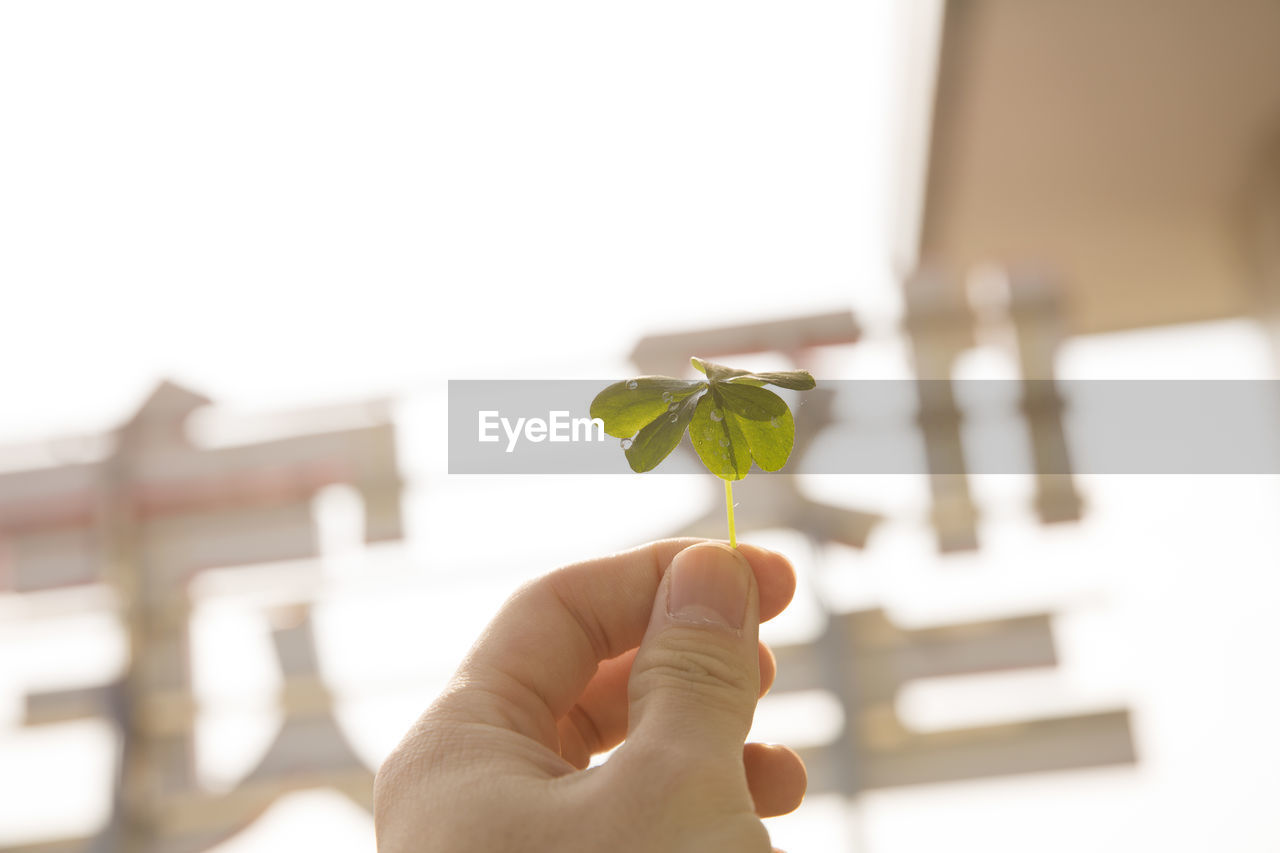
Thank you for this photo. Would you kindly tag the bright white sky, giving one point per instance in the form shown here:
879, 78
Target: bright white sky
283, 203
300, 200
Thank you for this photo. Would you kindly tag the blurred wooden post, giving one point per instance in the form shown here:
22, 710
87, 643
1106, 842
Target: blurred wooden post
940, 325
1035, 305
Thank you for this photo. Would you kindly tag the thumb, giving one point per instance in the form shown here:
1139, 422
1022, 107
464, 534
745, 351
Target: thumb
696, 676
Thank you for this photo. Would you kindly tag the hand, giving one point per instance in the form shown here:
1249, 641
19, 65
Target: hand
657, 646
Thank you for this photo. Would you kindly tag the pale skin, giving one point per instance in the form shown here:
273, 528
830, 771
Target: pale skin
645, 649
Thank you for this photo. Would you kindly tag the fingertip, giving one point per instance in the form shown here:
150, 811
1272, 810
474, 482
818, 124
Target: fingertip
774, 572
775, 578
776, 777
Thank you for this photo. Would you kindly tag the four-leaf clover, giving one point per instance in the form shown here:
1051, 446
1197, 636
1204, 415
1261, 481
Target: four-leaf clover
731, 418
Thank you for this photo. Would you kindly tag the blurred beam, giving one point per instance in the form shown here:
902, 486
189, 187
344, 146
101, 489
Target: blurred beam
866, 660
669, 353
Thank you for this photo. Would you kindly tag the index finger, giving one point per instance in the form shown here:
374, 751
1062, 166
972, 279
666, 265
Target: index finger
540, 651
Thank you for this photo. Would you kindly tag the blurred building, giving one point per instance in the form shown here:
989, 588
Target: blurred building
139, 525
1130, 150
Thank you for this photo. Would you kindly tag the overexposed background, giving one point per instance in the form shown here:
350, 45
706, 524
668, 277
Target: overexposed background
285, 204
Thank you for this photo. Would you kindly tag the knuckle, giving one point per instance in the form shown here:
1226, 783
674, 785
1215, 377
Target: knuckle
712, 675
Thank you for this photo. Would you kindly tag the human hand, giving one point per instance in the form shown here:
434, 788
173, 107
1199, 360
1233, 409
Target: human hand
658, 646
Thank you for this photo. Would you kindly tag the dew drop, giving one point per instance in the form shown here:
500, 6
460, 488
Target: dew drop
773, 422
633, 385
717, 415
666, 396
626, 444
675, 418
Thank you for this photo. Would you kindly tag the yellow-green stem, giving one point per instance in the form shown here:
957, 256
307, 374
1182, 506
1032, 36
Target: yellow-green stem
728, 507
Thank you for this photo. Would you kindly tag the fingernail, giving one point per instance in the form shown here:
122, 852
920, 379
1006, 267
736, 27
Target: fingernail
709, 585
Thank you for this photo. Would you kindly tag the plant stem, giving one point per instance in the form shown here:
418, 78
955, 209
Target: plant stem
728, 507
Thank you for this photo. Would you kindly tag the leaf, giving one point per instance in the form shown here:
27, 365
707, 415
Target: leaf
750, 401
770, 441
796, 380
764, 421
718, 440
627, 406
731, 419
656, 440
716, 372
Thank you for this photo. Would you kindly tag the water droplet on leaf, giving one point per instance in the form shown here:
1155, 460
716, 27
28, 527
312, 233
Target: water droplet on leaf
626, 444
666, 396
675, 418
717, 415
633, 385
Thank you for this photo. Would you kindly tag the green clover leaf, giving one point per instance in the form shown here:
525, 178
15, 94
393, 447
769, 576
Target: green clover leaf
732, 420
